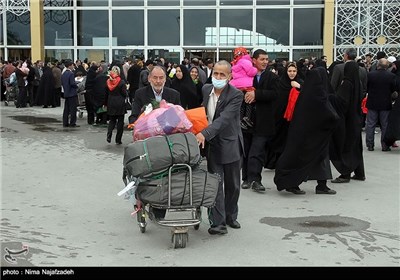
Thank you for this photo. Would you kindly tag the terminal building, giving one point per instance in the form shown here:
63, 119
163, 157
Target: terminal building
114, 29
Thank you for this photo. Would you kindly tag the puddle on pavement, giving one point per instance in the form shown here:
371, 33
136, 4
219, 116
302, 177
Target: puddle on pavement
40, 123
354, 234
318, 224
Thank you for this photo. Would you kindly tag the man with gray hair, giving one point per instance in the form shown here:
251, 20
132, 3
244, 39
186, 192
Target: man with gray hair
224, 145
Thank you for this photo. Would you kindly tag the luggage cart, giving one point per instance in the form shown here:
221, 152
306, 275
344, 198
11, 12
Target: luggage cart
81, 103
179, 226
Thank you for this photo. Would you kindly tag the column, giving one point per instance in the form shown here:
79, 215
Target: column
329, 20
37, 29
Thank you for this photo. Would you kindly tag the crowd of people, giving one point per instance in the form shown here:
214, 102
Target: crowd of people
294, 117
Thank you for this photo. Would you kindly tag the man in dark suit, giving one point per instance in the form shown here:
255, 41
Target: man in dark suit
381, 85
70, 95
225, 145
255, 143
155, 91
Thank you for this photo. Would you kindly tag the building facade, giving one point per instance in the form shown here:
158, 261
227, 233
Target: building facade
174, 29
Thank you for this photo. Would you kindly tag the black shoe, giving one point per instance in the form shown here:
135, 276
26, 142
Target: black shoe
257, 186
245, 185
296, 190
109, 139
65, 125
233, 224
358, 178
386, 149
74, 125
340, 180
118, 143
218, 230
370, 148
325, 190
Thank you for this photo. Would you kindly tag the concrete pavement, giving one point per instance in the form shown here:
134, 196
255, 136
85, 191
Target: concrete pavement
58, 198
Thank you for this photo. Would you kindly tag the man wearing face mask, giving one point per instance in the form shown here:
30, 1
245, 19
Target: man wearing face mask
224, 145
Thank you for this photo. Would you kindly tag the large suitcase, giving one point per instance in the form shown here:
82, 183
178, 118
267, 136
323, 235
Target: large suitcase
205, 189
154, 155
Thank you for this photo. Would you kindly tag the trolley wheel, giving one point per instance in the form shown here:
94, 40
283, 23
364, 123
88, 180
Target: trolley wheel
179, 240
80, 115
141, 218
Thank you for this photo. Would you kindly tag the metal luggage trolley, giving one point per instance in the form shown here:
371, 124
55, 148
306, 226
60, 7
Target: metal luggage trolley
81, 103
179, 226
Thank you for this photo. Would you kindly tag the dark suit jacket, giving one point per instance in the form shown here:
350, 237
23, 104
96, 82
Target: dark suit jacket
224, 136
381, 84
266, 102
145, 95
338, 75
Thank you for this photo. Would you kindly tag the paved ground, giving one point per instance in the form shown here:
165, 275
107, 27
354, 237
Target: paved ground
58, 198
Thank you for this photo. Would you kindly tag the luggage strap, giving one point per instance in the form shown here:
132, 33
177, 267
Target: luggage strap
170, 146
146, 152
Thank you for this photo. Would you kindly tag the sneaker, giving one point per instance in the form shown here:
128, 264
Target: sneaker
257, 186
370, 148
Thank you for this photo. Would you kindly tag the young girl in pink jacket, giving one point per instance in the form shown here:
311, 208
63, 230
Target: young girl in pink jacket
243, 73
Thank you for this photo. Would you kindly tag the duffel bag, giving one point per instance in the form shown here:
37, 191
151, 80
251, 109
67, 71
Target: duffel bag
205, 188
154, 155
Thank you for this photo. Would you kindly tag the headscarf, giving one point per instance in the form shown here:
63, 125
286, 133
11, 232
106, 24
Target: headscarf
113, 81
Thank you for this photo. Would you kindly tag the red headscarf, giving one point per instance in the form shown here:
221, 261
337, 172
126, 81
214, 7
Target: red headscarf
113, 81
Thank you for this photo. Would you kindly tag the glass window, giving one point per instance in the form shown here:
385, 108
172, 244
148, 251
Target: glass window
170, 55
19, 54
92, 28
236, 27
306, 53
128, 28
163, 27
93, 55
199, 2
83, 3
58, 3
301, 2
18, 29
59, 54
307, 26
271, 2
58, 28
120, 54
163, 3
235, 2
197, 32
128, 3
273, 26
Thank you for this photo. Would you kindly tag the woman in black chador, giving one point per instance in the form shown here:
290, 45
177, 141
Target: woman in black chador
346, 145
305, 156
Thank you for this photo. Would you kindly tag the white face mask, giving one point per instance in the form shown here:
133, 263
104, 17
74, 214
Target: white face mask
219, 84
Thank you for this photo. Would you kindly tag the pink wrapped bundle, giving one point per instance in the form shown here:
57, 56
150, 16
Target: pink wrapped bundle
166, 120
